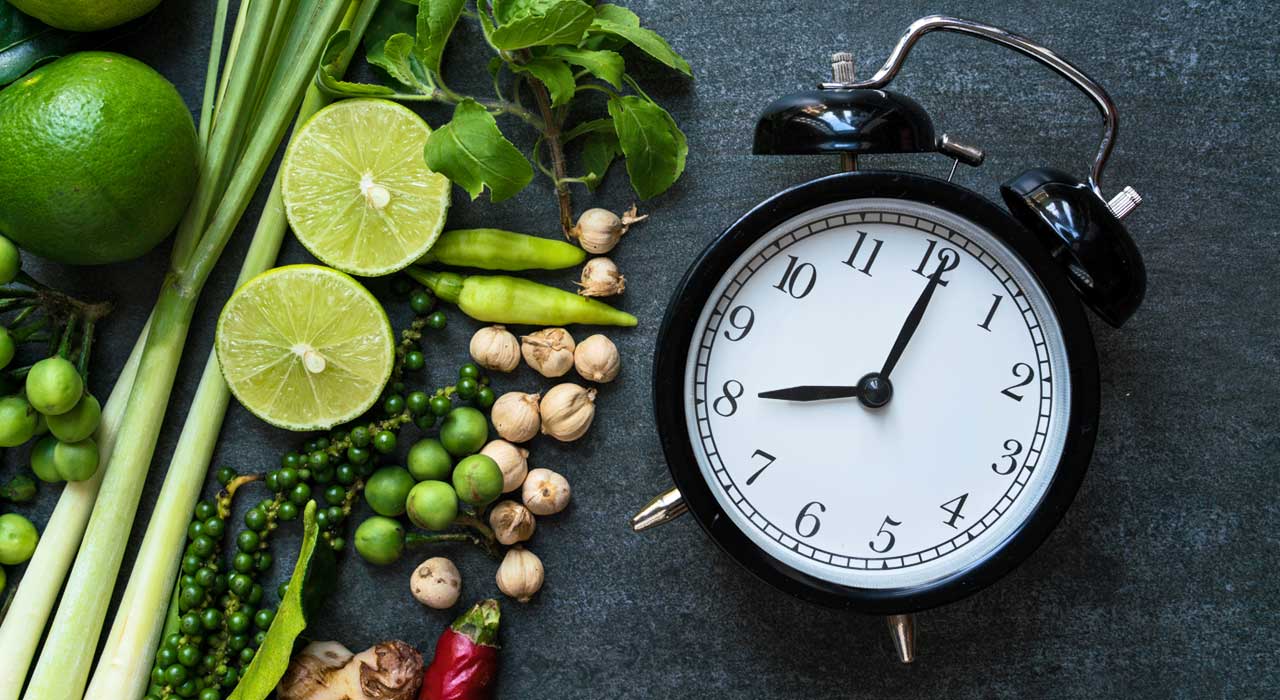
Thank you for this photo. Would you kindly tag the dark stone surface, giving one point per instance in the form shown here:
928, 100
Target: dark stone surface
1159, 582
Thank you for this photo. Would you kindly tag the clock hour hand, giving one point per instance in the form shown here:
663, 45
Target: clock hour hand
912, 323
813, 393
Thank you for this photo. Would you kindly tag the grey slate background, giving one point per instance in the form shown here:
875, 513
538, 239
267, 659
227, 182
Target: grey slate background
1160, 580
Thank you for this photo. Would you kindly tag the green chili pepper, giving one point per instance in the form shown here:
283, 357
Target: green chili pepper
502, 299
495, 249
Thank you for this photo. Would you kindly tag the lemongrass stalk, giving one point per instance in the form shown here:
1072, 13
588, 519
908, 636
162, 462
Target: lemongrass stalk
124, 665
213, 70
64, 662
24, 624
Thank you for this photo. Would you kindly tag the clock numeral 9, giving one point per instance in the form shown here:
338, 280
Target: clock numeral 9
955, 514
1018, 371
948, 260
798, 279
727, 403
1015, 448
807, 524
888, 522
741, 318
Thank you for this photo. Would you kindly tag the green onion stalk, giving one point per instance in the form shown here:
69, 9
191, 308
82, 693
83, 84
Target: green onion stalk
265, 76
125, 663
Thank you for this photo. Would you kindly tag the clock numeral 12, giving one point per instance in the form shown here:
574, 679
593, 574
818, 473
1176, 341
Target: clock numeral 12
857, 248
805, 517
741, 318
948, 259
727, 403
986, 322
791, 279
955, 514
1018, 370
888, 522
769, 459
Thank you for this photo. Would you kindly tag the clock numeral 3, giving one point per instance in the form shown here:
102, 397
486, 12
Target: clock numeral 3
741, 318
727, 403
948, 259
769, 459
986, 322
888, 522
955, 514
807, 524
1018, 370
799, 278
1015, 448
857, 249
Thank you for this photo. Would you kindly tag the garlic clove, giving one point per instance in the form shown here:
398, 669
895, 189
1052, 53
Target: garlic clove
515, 417
597, 359
495, 348
545, 492
601, 278
520, 575
512, 522
567, 411
598, 230
549, 351
511, 459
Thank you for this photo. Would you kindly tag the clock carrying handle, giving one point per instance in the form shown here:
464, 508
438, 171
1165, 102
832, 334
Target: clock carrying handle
1022, 45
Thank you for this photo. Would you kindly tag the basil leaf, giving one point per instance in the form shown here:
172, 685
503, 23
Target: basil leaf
599, 149
313, 578
526, 23
623, 23
655, 147
436, 20
396, 58
605, 65
26, 42
553, 73
472, 152
392, 19
331, 85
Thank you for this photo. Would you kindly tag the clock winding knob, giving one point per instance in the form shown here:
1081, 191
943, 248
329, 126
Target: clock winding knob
842, 67
1125, 201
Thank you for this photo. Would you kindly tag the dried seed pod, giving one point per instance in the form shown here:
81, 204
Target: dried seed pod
436, 583
545, 492
597, 359
511, 459
567, 411
549, 351
511, 522
520, 575
515, 416
601, 278
495, 348
598, 230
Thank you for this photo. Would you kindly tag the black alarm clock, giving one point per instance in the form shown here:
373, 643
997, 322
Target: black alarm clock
878, 390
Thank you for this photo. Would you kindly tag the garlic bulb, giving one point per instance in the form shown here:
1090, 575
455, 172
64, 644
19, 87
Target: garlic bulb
436, 583
601, 278
549, 351
511, 522
511, 459
521, 574
515, 416
495, 348
545, 492
598, 230
567, 411
596, 359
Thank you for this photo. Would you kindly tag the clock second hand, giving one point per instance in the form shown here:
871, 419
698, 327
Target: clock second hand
873, 390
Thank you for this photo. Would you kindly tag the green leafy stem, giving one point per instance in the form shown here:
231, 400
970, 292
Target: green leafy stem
551, 51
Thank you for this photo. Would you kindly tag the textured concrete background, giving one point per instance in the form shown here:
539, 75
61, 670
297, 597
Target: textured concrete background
1159, 582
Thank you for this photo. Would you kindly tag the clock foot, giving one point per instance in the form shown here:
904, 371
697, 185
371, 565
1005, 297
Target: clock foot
902, 628
668, 506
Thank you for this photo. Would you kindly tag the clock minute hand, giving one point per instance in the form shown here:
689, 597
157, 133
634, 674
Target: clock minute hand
912, 323
812, 393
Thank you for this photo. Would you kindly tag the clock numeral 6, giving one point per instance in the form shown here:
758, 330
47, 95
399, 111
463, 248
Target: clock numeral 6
741, 318
1018, 371
888, 522
807, 524
955, 514
727, 403
798, 279
948, 260
769, 460
1015, 448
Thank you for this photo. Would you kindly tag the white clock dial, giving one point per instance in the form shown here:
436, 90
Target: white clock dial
924, 486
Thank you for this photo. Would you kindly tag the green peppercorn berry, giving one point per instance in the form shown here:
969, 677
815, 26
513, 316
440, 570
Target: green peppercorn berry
225, 475
175, 674
300, 494
418, 402
304, 474
203, 546
157, 676
238, 622
188, 688
238, 641
255, 595
336, 516
288, 477
188, 655
291, 460
263, 562
205, 510
191, 564
282, 589
206, 577
467, 387
394, 405
242, 562
263, 619
273, 481
247, 540
246, 655
384, 442
186, 580
469, 370
322, 520
359, 436
215, 527
195, 529
211, 619
335, 495
318, 459
437, 321
189, 623
323, 476
422, 302
414, 360
310, 446
255, 518
240, 583
337, 544
358, 455
345, 474
425, 422
485, 398
441, 405
166, 656
209, 694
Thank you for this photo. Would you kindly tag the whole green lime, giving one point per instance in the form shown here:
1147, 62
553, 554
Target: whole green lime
99, 159
85, 15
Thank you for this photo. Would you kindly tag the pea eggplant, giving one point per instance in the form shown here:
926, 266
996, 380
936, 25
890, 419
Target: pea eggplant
511, 300
495, 249
465, 665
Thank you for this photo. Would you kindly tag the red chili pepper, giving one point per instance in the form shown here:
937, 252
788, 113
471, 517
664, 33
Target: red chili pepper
465, 666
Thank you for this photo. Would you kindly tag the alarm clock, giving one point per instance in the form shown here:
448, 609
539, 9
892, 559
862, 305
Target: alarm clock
878, 390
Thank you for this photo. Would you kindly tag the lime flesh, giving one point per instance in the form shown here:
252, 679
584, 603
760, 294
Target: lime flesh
304, 347
357, 190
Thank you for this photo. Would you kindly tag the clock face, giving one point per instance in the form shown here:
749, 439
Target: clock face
936, 479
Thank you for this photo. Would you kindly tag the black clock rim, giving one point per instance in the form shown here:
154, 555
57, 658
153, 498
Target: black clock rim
698, 283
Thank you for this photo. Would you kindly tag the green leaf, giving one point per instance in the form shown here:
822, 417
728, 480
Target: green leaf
623, 23
655, 147
605, 65
392, 19
525, 23
313, 577
331, 85
553, 73
436, 19
472, 152
396, 58
599, 149
26, 43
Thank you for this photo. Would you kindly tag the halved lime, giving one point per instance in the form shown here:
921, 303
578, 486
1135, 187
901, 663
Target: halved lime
357, 190
305, 347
